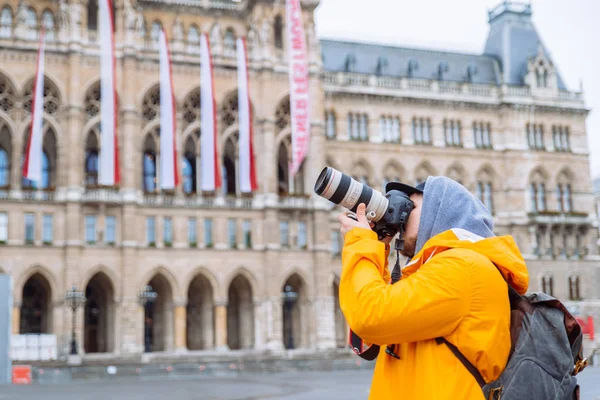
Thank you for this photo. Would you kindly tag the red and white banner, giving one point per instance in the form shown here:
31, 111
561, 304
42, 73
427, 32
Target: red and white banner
108, 173
211, 179
246, 150
299, 90
32, 168
169, 178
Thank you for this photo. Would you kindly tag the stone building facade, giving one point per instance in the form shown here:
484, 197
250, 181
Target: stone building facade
260, 272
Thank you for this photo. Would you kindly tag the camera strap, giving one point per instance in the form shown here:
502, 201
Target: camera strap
369, 354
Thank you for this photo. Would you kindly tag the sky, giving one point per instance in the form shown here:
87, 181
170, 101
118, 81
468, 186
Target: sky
570, 30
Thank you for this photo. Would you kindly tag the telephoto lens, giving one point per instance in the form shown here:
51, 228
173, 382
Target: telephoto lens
341, 189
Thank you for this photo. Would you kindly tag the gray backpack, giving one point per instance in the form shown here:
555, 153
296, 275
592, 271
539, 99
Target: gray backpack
546, 352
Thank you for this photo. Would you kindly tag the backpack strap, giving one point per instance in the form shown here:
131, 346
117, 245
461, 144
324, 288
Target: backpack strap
470, 367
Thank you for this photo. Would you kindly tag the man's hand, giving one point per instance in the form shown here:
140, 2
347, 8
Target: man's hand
348, 223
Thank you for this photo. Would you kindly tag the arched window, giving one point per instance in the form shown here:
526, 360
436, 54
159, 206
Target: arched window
229, 42
92, 15
188, 170
92, 154
6, 23
150, 162
31, 22
230, 167
286, 185
193, 39
5, 153
49, 160
485, 189
537, 192
278, 32
331, 124
548, 285
48, 24
574, 293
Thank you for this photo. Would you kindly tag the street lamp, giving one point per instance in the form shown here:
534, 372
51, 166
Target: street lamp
147, 295
289, 299
74, 298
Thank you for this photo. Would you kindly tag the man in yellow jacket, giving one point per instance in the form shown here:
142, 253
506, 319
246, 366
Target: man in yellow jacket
454, 287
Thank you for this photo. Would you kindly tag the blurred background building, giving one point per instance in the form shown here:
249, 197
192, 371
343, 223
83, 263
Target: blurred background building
185, 271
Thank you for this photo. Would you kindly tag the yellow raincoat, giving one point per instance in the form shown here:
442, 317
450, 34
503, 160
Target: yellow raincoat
450, 289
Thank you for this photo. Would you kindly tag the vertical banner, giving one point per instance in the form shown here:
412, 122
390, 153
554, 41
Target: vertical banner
108, 174
299, 91
211, 180
246, 153
32, 168
169, 177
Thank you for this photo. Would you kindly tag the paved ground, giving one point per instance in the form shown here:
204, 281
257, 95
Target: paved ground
338, 385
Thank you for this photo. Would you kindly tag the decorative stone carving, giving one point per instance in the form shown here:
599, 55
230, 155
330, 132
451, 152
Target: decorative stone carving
75, 21
178, 35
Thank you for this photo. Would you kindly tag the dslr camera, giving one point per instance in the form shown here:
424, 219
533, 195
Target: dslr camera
388, 212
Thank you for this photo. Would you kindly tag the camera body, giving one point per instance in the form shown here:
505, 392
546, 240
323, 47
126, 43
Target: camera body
399, 208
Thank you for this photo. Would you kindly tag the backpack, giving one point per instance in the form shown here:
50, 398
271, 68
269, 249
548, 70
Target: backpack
546, 352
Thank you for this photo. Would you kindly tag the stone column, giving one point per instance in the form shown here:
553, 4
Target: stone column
180, 311
274, 316
535, 246
221, 325
16, 318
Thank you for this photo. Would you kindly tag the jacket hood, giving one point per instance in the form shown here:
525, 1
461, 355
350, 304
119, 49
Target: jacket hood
501, 250
448, 205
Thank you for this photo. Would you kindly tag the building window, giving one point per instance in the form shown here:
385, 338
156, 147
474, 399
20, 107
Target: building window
208, 233
421, 128
151, 231
193, 40
302, 240
3, 228
44, 183
574, 293
188, 172
482, 135
110, 235
548, 285
48, 24
358, 126
535, 136
6, 21
168, 231
31, 23
229, 41
47, 229
4, 167
90, 229
278, 32
92, 15
247, 228
563, 197
452, 133
150, 179
192, 233
389, 129
331, 124
231, 233
485, 195
336, 248
537, 197
561, 138
29, 228
284, 233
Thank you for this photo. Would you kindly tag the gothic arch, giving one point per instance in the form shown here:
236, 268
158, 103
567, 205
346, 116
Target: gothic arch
145, 92
12, 84
423, 170
565, 174
303, 277
538, 172
208, 275
457, 172
171, 279
110, 275
242, 271
31, 271
49, 83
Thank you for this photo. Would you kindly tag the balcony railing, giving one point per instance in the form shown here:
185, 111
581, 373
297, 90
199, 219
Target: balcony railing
350, 81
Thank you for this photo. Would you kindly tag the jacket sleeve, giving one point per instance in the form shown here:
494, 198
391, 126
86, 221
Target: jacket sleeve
428, 304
